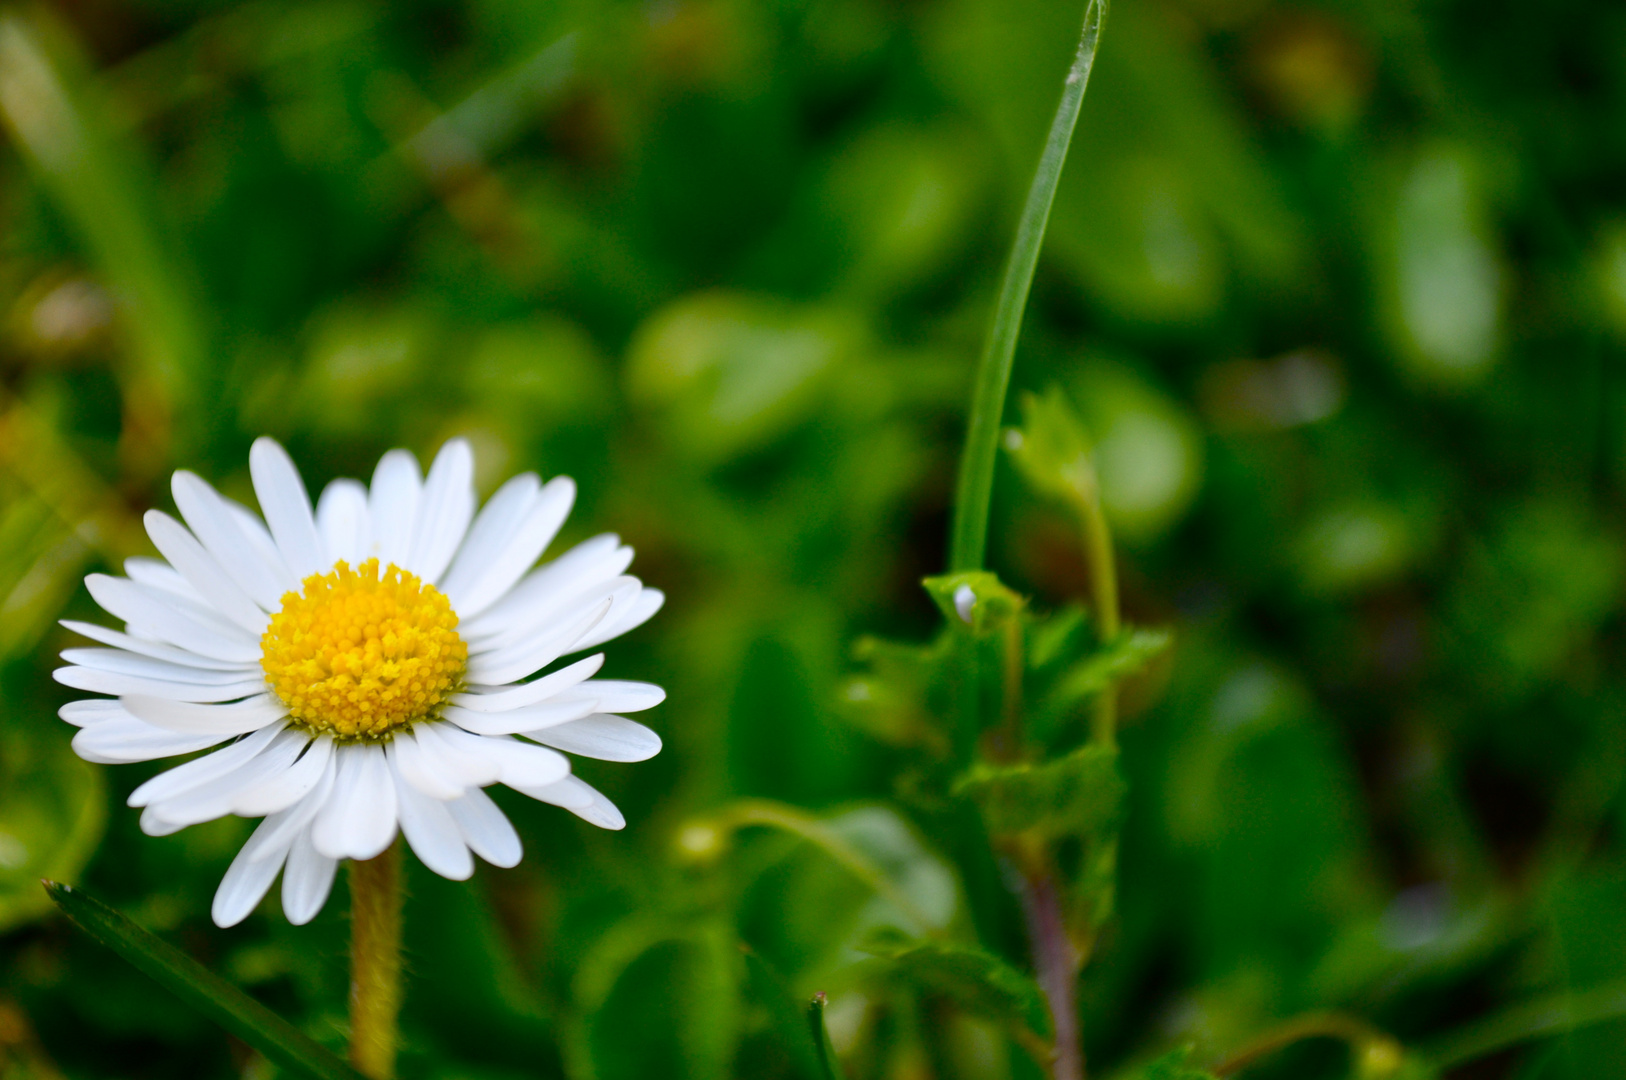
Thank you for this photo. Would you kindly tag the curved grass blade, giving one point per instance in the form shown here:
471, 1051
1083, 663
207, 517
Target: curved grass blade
214, 997
1544, 1018
969, 534
785, 1014
821, 1039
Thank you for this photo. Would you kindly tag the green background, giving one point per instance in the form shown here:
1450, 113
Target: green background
1339, 289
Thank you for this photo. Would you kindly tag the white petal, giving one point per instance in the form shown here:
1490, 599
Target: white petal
217, 528
466, 768
262, 544
514, 697
488, 833
548, 588
203, 573
520, 762
153, 825
126, 663
582, 799
516, 660
155, 649
193, 774
172, 619
392, 506
626, 619
492, 572
287, 508
112, 682
296, 818
158, 574
214, 799
197, 719
92, 711
112, 742
420, 768
617, 695
531, 718
602, 736
280, 791
444, 513
358, 821
245, 884
433, 833
546, 619
307, 880
493, 527
341, 518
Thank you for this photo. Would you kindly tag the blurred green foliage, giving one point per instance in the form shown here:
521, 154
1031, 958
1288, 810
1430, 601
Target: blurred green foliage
1337, 287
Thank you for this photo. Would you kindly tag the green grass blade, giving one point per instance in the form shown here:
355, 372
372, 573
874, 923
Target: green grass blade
969, 535
1545, 1018
821, 1039
785, 1015
201, 988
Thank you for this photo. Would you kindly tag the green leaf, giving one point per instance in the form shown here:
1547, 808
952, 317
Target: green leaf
1148, 448
1128, 653
1052, 449
914, 888
978, 982
1080, 794
680, 977
831, 1068
893, 700
1172, 1066
723, 374
225, 1004
975, 599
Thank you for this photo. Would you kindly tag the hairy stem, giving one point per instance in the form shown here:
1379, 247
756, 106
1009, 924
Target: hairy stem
375, 962
969, 534
1056, 964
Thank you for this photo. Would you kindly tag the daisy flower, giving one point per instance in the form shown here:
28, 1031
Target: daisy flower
364, 667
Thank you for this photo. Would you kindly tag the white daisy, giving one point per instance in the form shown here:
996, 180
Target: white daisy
358, 699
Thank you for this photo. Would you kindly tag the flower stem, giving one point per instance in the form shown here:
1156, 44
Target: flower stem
375, 962
969, 534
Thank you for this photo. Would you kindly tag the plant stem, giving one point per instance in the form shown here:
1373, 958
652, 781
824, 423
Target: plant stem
375, 962
1056, 964
1362, 1037
969, 535
1006, 744
1104, 598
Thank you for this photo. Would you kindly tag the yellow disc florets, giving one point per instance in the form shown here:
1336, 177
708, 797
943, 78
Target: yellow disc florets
358, 653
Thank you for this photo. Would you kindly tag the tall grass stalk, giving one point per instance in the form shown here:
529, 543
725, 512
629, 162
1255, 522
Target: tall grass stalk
968, 537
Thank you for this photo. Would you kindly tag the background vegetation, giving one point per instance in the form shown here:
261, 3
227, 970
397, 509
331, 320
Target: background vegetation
1339, 289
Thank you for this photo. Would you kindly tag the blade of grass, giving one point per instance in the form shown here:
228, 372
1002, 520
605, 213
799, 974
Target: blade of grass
785, 1014
1540, 1019
969, 534
821, 1039
214, 997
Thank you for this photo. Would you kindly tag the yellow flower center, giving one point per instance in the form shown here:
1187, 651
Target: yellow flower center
358, 653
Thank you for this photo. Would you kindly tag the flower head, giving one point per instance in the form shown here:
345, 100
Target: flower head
363, 666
